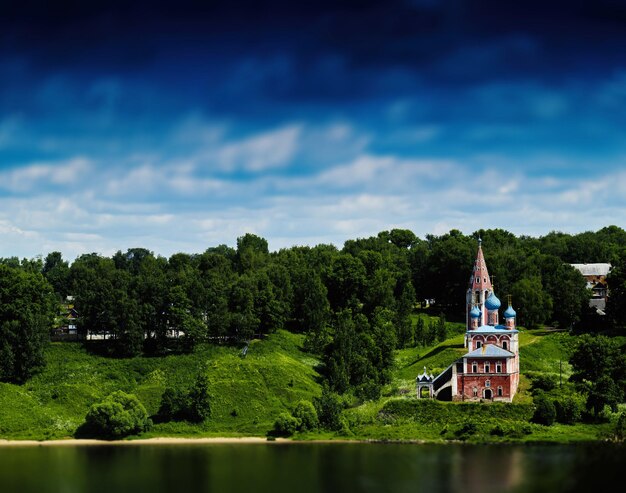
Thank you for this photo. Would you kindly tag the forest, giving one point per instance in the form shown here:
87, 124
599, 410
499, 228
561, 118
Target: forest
355, 304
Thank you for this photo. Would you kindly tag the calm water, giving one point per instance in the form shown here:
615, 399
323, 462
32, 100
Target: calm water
301, 468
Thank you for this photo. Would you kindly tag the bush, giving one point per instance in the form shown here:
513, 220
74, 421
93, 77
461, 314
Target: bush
369, 391
568, 410
193, 405
543, 381
329, 407
545, 411
174, 405
306, 413
200, 400
119, 415
620, 427
285, 425
468, 429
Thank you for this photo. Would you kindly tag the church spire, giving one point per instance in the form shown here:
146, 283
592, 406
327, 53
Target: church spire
480, 280
479, 289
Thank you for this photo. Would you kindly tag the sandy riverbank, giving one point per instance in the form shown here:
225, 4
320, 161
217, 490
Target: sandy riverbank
140, 441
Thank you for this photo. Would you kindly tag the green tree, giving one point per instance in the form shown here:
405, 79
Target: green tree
307, 415
545, 412
57, 272
200, 399
119, 415
27, 310
532, 304
329, 407
599, 365
285, 425
616, 282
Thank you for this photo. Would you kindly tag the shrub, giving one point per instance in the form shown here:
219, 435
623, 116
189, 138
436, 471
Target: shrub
497, 431
545, 412
620, 427
192, 405
543, 381
119, 415
568, 410
369, 391
199, 400
174, 405
306, 413
466, 430
285, 425
329, 406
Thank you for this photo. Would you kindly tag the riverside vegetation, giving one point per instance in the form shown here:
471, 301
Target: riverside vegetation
249, 394
313, 343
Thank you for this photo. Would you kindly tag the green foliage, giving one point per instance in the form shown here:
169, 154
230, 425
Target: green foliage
544, 382
285, 425
200, 399
620, 427
119, 415
568, 409
306, 413
27, 310
329, 407
600, 367
174, 405
545, 411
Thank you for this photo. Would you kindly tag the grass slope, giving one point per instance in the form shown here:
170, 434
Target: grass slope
248, 393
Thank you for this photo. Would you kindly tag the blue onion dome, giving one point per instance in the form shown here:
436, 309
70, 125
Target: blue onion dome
492, 303
475, 312
509, 312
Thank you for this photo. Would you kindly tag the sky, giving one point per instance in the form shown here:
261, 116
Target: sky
181, 126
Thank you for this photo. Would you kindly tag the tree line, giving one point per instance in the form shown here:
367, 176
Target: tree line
356, 304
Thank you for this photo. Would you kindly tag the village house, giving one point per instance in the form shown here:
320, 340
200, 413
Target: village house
595, 275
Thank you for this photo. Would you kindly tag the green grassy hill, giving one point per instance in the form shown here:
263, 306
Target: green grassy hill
248, 393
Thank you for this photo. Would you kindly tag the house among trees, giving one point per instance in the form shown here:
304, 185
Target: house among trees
66, 328
489, 371
595, 275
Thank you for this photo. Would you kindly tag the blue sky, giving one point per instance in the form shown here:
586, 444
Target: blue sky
177, 127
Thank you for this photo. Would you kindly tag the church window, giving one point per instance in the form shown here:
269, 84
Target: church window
498, 367
474, 368
487, 383
475, 392
499, 390
487, 367
505, 345
478, 344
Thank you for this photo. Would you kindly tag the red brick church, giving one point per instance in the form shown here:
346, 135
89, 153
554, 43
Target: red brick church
489, 371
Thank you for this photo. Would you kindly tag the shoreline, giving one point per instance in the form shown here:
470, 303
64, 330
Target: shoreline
161, 441
138, 441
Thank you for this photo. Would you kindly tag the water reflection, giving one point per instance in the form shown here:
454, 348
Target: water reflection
309, 467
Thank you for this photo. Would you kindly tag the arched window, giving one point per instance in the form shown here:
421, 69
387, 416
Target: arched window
475, 392
487, 367
505, 345
498, 367
499, 390
478, 344
474, 367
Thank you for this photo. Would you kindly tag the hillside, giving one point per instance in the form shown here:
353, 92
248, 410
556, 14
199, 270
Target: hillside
249, 392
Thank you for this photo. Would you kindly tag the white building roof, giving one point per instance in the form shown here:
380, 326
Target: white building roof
489, 351
593, 269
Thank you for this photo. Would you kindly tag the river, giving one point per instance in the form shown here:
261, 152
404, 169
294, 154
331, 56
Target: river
311, 467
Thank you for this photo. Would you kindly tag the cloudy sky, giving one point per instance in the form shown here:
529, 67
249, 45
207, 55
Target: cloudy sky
177, 128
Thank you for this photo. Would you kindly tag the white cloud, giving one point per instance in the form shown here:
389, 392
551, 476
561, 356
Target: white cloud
47, 173
261, 152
